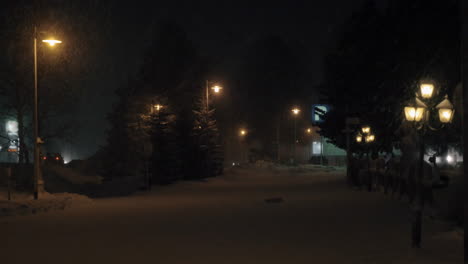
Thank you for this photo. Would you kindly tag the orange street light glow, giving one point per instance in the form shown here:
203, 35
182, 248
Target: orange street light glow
158, 107
52, 42
217, 88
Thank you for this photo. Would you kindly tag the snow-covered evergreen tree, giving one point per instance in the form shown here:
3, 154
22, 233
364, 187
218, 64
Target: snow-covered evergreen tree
206, 136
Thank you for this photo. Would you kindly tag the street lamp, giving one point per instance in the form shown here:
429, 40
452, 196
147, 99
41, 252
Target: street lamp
243, 132
365, 129
37, 139
52, 42
366, 137
216, 89
359, 138
418, 113
157, 107
295, 112
243, 145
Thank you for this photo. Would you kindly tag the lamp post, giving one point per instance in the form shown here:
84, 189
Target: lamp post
366, 137
309, 133
243, 135
295, 112
155, 110
37, 139
216, 89
418, 113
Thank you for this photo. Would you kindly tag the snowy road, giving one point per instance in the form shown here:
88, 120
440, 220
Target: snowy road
226, 220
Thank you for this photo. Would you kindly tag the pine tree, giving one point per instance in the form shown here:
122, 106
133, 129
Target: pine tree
165, 165
206, 136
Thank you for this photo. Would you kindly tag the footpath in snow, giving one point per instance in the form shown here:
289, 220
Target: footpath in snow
250, 215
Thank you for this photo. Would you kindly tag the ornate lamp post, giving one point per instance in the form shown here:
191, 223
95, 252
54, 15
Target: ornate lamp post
418, 112
366, 137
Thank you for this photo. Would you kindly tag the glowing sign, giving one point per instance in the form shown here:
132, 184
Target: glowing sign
12, 127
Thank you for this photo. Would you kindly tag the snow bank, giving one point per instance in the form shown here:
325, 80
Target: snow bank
24, 204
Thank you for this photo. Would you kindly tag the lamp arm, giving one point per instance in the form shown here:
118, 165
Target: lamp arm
418, 125
434, 128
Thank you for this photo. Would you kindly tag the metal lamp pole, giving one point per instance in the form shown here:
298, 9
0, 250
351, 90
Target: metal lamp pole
36, 125
295, 113
37, 140
207, 88
418, 114
295, 139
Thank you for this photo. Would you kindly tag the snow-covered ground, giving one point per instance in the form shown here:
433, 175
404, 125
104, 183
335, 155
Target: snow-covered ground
24, 204
311, 217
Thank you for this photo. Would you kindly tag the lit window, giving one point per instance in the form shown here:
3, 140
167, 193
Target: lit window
316, 148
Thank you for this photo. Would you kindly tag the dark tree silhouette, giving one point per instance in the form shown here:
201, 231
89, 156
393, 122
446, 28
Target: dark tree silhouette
381, 57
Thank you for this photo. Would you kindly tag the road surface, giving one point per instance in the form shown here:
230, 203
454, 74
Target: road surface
226, 220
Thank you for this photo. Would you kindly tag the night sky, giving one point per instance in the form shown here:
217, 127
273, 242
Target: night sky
218, 30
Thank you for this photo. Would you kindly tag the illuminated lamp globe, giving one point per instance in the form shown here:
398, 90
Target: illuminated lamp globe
415, 111
427, 89
446, 110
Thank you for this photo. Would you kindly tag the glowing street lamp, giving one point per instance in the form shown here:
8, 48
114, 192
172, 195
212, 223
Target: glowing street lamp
426, 90
365, 137
216, 89
243, 132
37, 139
366, 129
295, 112
370, 138
52, 42
418, 114
359, 138
309, 130
415, 111
446, 111
158, 107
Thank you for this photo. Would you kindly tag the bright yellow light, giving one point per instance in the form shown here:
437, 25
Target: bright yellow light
426, 90
370, 138
52, 42
446, 110
216, 88
414, 114
243, 132
365, 129
296, 111
309, 130
358, 138
445, 115
158, 107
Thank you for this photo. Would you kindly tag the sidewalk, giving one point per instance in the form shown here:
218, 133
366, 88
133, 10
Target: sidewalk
248, 216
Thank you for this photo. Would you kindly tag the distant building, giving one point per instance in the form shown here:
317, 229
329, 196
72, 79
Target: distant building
323, 152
